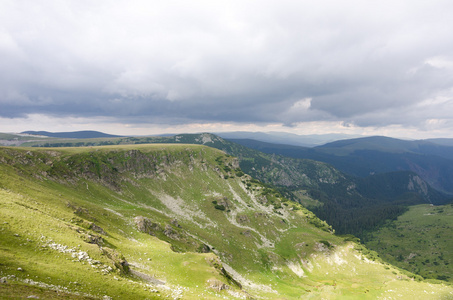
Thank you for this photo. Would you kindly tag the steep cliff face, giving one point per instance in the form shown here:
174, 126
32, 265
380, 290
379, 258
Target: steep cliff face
418, 185
169, 221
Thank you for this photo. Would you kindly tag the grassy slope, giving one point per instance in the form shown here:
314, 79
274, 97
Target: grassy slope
417, 241
50, 199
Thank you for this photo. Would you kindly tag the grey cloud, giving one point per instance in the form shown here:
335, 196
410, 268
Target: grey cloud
232, 61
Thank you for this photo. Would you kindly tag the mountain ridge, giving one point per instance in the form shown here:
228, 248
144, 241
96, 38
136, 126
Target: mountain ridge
85, 134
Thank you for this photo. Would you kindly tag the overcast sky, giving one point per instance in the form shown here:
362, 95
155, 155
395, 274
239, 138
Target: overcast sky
148, 67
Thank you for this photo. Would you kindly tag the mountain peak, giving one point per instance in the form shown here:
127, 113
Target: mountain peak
204, 138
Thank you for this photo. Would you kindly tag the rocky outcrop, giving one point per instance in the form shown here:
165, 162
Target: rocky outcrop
117, 258
203, 248
94, 239
97, 229
418, 185
171, 233
146, 225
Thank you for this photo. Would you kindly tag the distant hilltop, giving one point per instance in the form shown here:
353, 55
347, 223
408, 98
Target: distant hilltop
87, 134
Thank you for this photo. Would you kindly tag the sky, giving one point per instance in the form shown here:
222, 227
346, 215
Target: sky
152, 67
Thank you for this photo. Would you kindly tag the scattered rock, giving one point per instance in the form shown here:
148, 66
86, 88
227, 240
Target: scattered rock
217, 285
97, 229
20, 269
174, 222
242, 219
3, 280
32, 297
81, 255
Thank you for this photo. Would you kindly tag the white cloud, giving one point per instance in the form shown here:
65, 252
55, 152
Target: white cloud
440, 62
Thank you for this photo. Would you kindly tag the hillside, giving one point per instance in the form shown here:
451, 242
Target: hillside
333, 195
170, 222
349, 204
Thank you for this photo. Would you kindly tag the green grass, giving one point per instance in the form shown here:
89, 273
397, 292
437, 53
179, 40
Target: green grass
51, 198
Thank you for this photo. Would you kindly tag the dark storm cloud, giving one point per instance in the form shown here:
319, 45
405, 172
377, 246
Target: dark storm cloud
366, 63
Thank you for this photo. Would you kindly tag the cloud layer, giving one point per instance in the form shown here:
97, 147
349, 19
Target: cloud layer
177, 62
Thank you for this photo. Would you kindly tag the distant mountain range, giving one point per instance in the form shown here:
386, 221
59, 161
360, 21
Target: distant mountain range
374, 155
87, 134
310, 140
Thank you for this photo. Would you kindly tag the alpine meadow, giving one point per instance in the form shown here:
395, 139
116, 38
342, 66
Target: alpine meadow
174, 221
